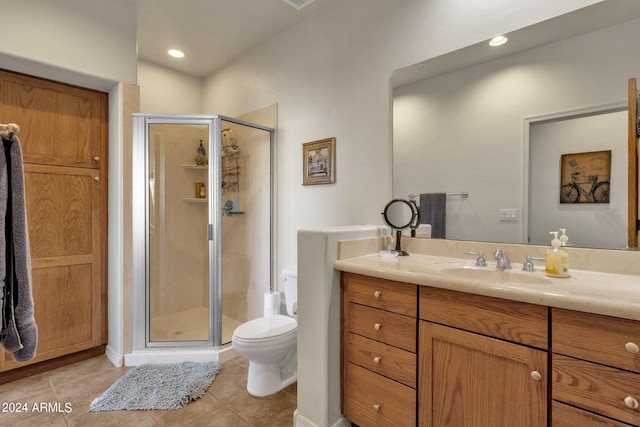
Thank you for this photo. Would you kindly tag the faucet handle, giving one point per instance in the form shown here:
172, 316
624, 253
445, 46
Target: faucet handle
480, 261
528, 263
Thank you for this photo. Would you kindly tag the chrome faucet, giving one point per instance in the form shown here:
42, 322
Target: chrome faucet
504, 263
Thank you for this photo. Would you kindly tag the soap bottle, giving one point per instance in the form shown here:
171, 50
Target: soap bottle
556, 259
564, 239
203, 191
198, 186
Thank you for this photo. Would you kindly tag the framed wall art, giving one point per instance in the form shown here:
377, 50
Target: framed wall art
319, 162
584, 177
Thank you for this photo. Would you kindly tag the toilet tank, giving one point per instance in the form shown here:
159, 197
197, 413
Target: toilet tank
289, 276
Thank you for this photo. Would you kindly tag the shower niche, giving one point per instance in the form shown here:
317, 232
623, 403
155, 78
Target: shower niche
199, 271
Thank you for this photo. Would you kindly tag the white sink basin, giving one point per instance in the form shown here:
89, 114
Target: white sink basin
488, 274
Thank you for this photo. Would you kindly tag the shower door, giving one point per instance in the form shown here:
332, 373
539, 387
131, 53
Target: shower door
202, 221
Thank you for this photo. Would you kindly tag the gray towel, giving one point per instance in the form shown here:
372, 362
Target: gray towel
19, 333
433, 211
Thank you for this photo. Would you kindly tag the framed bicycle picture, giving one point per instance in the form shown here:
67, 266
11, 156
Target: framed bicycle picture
584, 177
319, 162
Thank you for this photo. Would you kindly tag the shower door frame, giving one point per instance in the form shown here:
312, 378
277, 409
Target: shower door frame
140, 225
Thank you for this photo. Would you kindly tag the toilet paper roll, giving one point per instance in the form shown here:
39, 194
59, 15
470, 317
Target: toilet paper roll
271, 303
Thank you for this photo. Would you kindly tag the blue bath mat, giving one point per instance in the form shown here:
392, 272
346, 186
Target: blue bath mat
165, 386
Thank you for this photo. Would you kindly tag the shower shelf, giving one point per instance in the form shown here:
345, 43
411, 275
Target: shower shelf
194, 200
195, 166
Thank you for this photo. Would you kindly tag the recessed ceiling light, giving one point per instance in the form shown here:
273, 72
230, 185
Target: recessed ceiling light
298, 4
498, 41
176, 53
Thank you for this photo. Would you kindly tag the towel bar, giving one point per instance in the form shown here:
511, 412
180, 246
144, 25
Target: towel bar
464, 195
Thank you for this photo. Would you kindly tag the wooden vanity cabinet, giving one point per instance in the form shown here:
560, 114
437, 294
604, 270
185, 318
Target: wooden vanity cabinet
379, 333
418, 355
596, 369
482, 361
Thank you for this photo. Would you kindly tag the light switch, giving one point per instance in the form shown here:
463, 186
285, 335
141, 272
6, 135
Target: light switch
509, 214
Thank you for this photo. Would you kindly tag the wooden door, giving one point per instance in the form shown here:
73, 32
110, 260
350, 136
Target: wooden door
64, 142
64, 217
470, 380
60, 124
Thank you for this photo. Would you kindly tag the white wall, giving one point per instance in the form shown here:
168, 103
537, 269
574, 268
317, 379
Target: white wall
82, 42
464, 130
164, 91
331, 78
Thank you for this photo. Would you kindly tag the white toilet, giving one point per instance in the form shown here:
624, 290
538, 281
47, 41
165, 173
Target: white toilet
270, 343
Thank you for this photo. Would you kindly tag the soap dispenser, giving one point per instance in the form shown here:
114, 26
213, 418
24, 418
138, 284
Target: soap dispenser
556, 259
564, 238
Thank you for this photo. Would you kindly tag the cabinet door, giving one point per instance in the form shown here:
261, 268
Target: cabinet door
470, 380
63, 210
60, 124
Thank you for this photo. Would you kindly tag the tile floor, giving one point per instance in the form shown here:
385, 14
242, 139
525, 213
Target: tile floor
67, 392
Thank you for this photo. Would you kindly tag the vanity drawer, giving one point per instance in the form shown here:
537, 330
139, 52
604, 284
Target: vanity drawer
597, 388
568, 416
390, 328
513, 321
387, 295
608, 340
392, 362
374, 400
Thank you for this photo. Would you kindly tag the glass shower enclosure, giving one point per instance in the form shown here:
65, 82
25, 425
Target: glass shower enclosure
202, 228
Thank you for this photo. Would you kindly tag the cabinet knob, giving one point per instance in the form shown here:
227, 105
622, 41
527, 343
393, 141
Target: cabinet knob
96, 178
376, 359
536, 375
376, 407
377, 326
96, 158
377, 294
632, 347
631, 402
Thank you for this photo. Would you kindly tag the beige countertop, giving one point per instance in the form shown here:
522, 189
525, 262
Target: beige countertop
607, 293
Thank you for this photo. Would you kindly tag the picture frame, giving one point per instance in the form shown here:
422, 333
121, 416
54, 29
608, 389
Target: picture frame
585, 177
319, 162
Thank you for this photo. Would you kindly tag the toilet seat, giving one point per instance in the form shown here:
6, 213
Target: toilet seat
266, 329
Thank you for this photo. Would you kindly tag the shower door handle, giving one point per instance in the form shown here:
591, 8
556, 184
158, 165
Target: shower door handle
210, 232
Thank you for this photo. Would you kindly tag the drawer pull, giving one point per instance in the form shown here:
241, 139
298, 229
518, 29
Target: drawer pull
632, 347
376, 360
376, 407
377, 326
536, 376
96, 158
631, 402
377, 294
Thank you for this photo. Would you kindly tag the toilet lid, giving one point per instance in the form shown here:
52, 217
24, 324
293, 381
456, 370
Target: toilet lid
266, 327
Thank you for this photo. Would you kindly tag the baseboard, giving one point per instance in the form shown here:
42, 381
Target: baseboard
342, 422
48, 365
114, 357
177, 355
300, 421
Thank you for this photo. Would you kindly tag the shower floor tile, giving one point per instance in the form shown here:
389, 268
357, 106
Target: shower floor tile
189, 325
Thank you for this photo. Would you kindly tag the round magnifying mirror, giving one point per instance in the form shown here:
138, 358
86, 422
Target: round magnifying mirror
400, 214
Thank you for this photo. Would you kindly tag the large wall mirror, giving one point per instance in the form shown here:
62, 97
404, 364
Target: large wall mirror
496, 122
